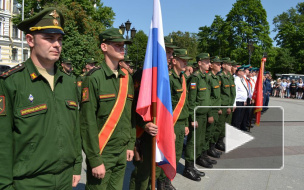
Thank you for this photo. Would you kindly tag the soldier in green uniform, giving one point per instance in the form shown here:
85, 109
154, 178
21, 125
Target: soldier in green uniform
67, 66
140, 178
178, 85
199, 95
226, 100
106, 128
214, 82
40, 136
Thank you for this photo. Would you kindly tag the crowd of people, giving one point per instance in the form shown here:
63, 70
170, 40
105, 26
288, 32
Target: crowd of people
286, 88
48, 116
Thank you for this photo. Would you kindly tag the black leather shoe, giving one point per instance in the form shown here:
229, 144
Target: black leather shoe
213, 153
213, 162
190, 173
161, 184
168, 185
220, 146
199, 173
205, 156
203, 162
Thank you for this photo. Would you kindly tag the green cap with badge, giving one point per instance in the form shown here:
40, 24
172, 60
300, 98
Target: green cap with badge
66, 60
234, 63
49, 20
113, 35
169, 42
215, 59
246, 66
90, 61
127, 59
240, 68
181, 53
226, 60
202, 56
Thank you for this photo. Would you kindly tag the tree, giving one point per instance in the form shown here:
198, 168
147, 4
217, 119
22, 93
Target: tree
186, 41
137, 49
213, 39
290, 28
84, 21
248, 21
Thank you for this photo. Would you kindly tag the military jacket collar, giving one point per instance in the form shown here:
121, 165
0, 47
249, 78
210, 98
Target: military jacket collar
109, 72
174, 74
34, 74
201, 73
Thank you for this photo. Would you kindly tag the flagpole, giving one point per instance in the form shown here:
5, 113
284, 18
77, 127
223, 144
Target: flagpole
153, 148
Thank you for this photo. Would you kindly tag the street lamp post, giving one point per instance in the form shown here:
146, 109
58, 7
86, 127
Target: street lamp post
127, 27
250, 49
22, 18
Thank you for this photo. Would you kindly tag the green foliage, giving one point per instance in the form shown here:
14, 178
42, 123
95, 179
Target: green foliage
84, 21
186, 41
137, 49
247, 20
290, 28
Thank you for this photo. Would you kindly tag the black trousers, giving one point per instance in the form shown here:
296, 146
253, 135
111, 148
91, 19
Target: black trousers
238, 115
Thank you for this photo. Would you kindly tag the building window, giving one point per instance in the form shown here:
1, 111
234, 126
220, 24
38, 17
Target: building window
15, 54
25, 54
0, 54
15, 31
1, 5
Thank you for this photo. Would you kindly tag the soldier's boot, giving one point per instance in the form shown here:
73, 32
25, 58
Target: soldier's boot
203, 162
168, 185
220, 145
190, 172
206, 157
212, 152
161, 184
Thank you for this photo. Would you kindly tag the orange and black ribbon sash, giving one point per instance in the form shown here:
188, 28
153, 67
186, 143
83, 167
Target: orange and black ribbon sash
111, 123
181, 102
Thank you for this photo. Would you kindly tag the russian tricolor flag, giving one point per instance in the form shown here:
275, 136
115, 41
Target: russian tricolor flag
155, 87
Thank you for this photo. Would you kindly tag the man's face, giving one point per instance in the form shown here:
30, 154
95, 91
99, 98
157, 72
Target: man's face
190, 69
247, 72
45, 47
241, 73
233, 69
68, 67
114, 50
216, 67
204, 64
179, 64
227, 67
169, 54
89, 66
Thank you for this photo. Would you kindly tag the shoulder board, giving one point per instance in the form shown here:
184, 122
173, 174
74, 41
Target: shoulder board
196, 73
220, 74
92, 71
12, 70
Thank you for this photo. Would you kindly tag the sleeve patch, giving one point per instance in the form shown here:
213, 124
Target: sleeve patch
193, 86
2, 105
85, 95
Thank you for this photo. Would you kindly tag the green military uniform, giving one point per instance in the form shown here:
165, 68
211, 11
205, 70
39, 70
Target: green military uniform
199, 95
79, 82
226, 100
44, 136
182, 121
214, 83
40, 137
100, 92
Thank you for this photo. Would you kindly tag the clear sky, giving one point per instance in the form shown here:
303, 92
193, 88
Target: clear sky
186, 15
